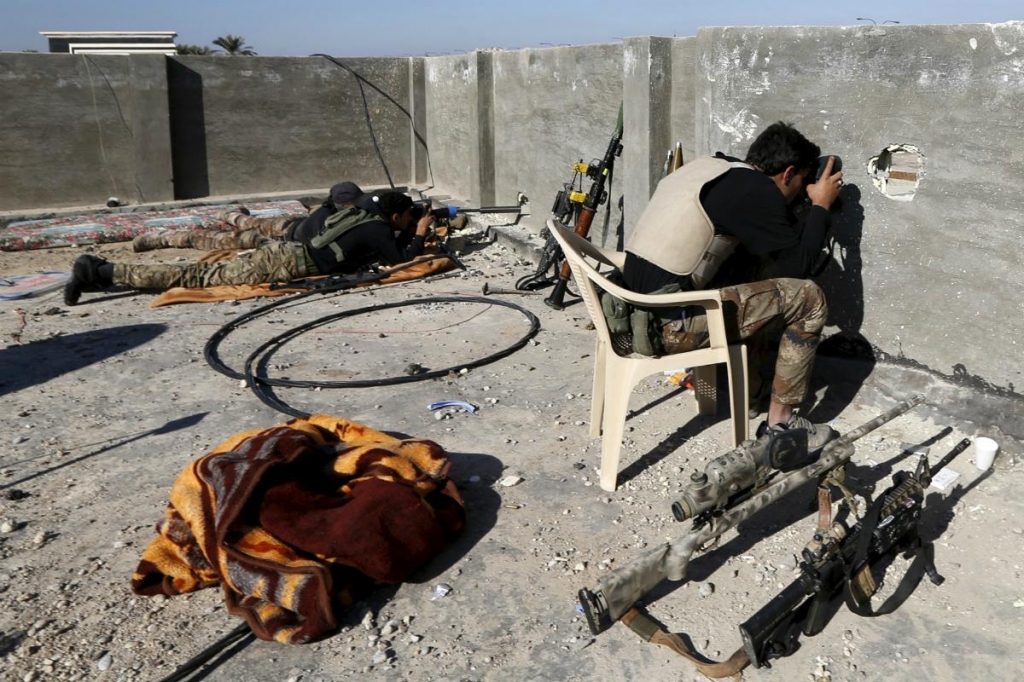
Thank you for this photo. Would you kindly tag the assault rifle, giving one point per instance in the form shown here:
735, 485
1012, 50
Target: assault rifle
748, 484
577, 208
840, 559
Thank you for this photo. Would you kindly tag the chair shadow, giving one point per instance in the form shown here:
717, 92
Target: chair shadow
40, 361
670, 444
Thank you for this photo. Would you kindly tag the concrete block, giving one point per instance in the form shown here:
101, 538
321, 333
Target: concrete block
151, 127
647, 99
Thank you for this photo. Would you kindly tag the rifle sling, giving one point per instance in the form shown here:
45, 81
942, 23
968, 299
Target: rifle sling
649, 631
858, 571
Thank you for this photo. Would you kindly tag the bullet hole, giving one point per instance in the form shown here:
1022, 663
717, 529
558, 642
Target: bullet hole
897, 171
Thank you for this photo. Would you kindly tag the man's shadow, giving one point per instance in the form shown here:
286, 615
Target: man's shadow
40, 361
846, 358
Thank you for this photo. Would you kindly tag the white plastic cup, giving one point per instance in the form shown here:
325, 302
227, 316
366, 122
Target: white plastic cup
984, 453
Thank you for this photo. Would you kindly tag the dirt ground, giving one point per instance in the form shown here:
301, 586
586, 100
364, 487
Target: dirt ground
105, 402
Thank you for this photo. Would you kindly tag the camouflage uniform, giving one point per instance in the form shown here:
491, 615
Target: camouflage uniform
271, 262
798, 304
249, 232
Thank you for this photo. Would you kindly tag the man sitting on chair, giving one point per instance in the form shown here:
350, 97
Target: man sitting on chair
719, 223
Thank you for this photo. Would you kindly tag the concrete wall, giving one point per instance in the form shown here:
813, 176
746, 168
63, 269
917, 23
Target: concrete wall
935, 280
454, 123
684, 94
77, 129
258, 124
553, 107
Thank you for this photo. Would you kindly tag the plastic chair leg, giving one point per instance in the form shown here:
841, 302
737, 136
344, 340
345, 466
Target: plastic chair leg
615, 406
739, 394
597, 392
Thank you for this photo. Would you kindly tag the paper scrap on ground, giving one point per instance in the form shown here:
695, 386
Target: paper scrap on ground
944, 479
452, 403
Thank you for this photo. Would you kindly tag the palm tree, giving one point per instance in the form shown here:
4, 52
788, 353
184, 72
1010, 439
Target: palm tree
234, 45
194, 49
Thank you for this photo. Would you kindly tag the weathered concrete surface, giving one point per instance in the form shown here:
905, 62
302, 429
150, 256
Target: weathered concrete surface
684, 88
453, 115
66, 130
554, 107
151, 133
935, 280
647, 77
261, 124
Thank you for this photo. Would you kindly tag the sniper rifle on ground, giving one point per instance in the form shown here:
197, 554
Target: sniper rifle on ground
840, 559
733, 488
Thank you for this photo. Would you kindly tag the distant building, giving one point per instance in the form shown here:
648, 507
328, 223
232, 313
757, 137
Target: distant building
112, 42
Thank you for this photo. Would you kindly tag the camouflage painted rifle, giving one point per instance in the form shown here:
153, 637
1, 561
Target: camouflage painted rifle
619, 590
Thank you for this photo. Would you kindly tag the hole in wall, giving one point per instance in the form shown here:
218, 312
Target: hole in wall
897, 171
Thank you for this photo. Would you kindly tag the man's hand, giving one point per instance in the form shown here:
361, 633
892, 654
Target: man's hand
826, 190
423, 225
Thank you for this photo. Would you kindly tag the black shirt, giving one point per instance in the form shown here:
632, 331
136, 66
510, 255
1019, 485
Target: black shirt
362, 245
773, 241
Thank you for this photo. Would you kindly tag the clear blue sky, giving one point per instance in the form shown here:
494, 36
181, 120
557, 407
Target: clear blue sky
403, 28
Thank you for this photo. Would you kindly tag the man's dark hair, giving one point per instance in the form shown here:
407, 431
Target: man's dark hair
391, 203
779, 146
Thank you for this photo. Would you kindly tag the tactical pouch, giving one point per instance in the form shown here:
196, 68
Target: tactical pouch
636, 329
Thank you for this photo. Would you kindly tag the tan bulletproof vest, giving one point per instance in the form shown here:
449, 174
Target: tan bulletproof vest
675, 233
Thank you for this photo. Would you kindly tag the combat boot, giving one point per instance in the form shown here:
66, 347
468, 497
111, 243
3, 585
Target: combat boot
818, 435
85, 276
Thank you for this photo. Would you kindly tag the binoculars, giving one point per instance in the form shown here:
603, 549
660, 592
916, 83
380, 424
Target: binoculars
837, 165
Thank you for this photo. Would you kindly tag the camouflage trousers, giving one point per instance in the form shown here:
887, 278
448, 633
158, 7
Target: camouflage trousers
796, 306
271, 262
248, 233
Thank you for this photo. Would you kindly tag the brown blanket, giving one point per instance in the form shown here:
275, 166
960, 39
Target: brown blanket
240, 292
297, 519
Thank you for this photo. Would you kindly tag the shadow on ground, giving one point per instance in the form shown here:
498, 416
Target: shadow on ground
169, 427
40, 361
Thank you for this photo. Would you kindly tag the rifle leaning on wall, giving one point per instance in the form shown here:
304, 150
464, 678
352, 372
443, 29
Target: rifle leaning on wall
733, 488
577, 209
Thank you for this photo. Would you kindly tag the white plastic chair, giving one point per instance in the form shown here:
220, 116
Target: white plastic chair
615, 375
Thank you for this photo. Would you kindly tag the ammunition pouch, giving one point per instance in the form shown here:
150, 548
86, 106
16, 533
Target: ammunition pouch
636, 329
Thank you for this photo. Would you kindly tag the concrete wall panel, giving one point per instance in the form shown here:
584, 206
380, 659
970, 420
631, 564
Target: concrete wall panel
684, 92
935, 279
453, 130
263, 124
65, 130
553, 107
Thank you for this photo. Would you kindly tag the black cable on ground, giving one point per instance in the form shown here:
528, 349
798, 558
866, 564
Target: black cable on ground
259, 357
316, 287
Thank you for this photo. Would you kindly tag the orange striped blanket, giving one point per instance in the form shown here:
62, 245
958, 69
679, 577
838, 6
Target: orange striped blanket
297, 520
